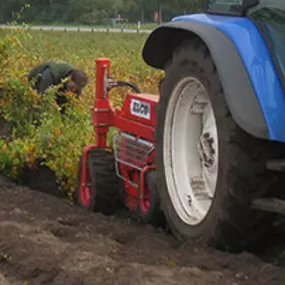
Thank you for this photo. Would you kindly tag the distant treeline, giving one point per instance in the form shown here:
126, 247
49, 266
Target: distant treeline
95, 11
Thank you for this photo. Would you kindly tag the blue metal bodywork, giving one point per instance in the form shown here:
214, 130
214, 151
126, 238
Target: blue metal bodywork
258, 62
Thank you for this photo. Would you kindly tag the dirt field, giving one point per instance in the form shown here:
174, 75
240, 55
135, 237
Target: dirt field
43, 240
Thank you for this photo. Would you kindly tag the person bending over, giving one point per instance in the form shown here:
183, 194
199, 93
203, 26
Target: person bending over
51, 73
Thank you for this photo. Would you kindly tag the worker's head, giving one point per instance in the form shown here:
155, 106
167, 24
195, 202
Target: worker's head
78, 79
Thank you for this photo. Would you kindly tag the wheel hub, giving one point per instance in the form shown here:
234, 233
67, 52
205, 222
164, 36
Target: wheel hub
206, 150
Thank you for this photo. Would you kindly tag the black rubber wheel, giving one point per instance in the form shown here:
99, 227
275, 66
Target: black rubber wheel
104, 183
230, 224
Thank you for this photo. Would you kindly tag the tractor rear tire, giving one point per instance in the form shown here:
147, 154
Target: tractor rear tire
104, 183
228, 223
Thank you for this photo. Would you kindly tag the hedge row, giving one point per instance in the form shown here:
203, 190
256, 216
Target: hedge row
32, 131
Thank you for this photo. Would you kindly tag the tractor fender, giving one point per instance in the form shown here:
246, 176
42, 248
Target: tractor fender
242, 96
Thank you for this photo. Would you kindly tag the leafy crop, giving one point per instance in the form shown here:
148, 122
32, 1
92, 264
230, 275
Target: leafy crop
39, 134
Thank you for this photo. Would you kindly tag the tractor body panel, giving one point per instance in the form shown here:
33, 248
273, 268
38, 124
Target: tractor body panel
247, 72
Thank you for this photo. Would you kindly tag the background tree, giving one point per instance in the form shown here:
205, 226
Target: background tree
96, 11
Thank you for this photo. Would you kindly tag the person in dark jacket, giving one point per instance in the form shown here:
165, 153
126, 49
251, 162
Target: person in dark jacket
51, 73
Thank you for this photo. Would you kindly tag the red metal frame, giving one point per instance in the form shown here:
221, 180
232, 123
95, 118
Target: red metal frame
85, 191
144, 193
104, 116
102, 112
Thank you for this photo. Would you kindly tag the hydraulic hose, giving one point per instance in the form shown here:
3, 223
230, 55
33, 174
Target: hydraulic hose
120, 83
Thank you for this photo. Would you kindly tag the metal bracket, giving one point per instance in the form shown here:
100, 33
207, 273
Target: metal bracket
131, 152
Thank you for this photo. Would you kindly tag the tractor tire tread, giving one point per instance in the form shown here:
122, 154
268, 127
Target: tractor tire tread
235, 226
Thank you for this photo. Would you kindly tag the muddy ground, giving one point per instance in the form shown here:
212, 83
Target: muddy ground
44, 240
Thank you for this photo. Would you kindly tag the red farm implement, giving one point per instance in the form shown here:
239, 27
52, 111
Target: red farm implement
123, 173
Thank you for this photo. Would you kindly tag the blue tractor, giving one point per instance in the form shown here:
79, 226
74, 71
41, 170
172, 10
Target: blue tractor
220, 127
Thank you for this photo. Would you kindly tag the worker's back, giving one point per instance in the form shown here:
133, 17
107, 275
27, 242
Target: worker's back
58, 70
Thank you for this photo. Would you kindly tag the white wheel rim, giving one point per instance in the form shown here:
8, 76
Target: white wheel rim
190, 152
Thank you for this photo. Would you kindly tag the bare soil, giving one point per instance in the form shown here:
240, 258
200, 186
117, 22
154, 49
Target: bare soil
44, 240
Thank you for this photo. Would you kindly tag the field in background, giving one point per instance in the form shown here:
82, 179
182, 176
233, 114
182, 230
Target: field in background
81, 50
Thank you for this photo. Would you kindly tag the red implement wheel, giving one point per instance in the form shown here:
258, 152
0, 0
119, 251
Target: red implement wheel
101, 194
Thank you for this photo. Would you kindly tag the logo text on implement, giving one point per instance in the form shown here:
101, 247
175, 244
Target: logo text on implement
140, 109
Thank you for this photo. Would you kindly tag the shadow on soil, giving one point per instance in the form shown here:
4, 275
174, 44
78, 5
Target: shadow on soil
40, 179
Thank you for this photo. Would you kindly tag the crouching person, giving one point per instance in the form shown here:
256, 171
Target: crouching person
50, 74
